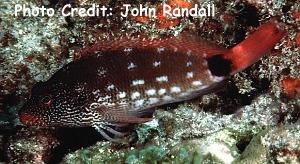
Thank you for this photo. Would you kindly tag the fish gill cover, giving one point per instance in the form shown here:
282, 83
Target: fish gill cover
176, 81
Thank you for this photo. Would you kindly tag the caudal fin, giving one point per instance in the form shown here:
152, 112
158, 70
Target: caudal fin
255, 45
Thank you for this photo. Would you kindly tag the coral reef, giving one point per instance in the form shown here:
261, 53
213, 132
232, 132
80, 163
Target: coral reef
32, 146
254, 118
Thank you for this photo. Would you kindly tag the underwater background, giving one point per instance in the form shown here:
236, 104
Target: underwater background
253, 118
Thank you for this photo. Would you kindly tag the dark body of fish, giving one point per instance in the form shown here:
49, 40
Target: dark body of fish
123, 83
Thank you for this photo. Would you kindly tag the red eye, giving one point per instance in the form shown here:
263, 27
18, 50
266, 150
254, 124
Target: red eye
47, 101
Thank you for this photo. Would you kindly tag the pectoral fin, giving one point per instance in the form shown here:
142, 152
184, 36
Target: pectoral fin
124, 115
109, 133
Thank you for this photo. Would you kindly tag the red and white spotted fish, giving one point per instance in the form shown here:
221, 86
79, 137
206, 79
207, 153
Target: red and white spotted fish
125, 81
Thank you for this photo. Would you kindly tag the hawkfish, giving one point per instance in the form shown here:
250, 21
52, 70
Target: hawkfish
122, 82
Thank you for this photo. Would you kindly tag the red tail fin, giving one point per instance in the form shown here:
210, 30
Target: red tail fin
255, 45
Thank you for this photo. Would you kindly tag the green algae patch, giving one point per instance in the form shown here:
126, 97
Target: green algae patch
149, 154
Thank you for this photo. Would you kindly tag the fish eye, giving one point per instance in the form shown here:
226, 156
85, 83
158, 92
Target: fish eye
46, 100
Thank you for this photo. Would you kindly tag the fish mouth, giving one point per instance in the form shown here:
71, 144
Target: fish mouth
29, 119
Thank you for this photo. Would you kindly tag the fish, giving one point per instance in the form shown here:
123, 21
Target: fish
122, 82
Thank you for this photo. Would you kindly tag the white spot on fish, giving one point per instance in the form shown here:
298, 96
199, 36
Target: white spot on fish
175, 89
189, 63
139, 103
156, 63
122, 95
189, 52
167, 98
131, 65
153, 100
162, 79
175, 49
135, 95
110, 87
197, 83
138, 82
161, 91
160, 49
151, 92
128, 49
189, 75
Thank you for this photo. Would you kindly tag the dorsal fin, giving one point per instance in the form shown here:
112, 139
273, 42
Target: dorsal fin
183, 43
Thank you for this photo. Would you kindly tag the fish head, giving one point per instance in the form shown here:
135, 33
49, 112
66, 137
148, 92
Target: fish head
54, 105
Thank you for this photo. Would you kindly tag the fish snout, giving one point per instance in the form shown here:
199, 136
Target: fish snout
29, 119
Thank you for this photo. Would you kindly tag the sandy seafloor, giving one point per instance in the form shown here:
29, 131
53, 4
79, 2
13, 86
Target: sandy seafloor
253, 119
